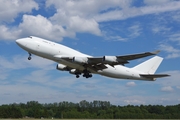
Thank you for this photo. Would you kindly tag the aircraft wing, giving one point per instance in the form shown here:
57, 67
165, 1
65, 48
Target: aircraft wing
120, 60
98, 63
137, 56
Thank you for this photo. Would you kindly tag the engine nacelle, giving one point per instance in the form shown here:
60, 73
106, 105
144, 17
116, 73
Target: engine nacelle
61, 67
75, 71
110, 59
80, 59
72, 71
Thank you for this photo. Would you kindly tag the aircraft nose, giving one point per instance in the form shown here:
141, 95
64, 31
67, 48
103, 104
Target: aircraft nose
21, 42
18, 41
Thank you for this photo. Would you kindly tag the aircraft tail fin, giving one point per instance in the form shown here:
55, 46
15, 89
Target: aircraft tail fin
150, 66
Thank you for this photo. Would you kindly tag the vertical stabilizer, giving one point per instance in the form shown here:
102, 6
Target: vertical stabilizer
150, 66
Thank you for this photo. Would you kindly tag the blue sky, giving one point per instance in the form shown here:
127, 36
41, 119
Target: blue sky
95, 27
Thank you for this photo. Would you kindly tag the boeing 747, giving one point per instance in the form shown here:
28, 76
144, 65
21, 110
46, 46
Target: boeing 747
78, 63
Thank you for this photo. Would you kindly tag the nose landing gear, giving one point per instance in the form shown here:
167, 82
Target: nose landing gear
29, 58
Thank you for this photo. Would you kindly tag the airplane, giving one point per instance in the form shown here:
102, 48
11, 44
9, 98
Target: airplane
78, 63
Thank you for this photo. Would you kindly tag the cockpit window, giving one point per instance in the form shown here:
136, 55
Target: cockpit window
30, 37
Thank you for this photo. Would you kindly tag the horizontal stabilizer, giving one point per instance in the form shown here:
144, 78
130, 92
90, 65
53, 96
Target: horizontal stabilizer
154, 75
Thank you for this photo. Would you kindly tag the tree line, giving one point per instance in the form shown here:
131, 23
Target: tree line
91, 110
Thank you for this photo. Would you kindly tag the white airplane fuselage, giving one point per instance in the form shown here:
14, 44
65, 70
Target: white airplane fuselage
49, 50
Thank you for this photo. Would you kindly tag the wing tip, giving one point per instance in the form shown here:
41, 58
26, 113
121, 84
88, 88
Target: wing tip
156, 52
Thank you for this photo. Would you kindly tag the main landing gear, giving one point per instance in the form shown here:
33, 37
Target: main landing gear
29, 58
87, 74
77, 76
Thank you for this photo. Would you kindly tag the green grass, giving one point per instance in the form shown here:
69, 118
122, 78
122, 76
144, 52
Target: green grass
72, 119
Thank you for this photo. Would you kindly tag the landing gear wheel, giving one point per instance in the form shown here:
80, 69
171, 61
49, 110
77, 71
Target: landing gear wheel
29, 58
77, 76
90, 75
87, 74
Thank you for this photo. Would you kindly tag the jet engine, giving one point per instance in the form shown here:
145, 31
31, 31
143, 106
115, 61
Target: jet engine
61, 67
72, 71
110, 59
80, 59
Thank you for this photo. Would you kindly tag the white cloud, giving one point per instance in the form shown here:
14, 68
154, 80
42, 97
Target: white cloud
155, 2
21, 62
172, 52
77, 16
8, 33
160, 29
37, 26
138, 99
84, 15
78, 24
109, 37
71, 17
130, 84
40, 77
173, 80
3, 74
176, 16
138, 11
178, 87
43, 86
134, 101
167, 7
108, 94
24, 92
175, 37
114, 15
9, 9
135, 30
41, 26
167, 89
86, 8
115, 38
